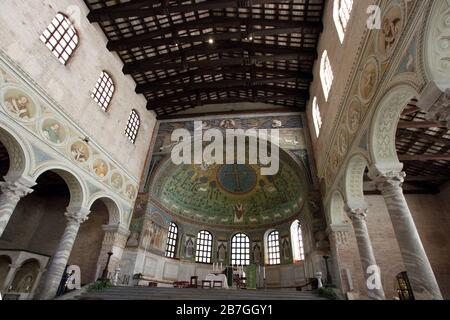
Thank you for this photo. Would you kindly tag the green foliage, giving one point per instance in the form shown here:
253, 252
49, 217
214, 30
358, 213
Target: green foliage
138, 276
327, 293
99, 285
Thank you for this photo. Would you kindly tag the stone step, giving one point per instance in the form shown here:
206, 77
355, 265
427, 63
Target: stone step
145, 293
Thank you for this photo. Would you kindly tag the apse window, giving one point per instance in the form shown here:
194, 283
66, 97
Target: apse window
326, 74
298, 247
317, 118
60, 37
171, 244
240, 250
133, 124
341, 15
103, 90
273, 248
204, 247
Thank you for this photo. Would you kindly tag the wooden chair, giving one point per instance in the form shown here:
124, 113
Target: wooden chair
194, 282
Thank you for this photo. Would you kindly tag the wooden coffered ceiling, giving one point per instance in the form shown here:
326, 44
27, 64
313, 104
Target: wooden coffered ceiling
184, 54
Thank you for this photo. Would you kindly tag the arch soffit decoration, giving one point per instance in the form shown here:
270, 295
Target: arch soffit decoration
116, 212
79, 193
335, 208
435, 44
383, 153
354, 181
21, 158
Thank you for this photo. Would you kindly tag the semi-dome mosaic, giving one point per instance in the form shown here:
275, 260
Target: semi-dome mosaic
229, 194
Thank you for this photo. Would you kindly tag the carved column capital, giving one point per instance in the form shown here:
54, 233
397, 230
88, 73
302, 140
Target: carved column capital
76, 216
389, 182
15, 190
357, 214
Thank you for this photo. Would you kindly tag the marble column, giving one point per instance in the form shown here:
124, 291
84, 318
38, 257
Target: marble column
9, 277
420, 273
12, 192
59, 260
359, 221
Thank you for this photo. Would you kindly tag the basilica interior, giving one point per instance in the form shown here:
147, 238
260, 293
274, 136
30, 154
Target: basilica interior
352, 97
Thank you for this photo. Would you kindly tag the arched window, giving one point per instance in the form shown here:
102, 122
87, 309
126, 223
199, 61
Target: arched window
298, 248
103, 90
133, 124
341, 15
240, 250
273, 248
171, 243
326, 74
60, 37
317, 118
204, 247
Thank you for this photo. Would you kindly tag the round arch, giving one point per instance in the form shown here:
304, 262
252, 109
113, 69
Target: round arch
434, 53
115, 210
240, 240
26, 276
354, 181
18, 152
384, 123
336, 208
5, 262
77, 187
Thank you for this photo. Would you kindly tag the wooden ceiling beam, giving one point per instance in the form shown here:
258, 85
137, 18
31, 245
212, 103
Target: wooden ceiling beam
126, 44
216, 48
420, 124
424, 157
421, 136
182, 76
155, 103
141, 8
147, 66
199, 102
148, 38
143, 88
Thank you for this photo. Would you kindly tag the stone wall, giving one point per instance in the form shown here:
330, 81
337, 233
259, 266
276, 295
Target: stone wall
342, 58
22, 22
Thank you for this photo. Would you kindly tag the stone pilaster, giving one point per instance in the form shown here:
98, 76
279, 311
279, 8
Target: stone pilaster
9, 277
420, 273
359, 221
114, 241
59, 260
12, 192
339, 236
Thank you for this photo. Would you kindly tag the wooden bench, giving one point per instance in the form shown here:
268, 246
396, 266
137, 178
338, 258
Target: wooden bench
181, 284
206, 282
217, 284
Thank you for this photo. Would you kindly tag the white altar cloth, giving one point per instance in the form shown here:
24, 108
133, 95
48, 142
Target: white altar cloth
220, 277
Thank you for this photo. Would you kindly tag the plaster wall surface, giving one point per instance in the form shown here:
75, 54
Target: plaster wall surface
21, 24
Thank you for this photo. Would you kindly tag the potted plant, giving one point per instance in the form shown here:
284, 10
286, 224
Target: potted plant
136, 278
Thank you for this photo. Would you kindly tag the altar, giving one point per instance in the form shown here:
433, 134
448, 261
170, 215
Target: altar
216, 278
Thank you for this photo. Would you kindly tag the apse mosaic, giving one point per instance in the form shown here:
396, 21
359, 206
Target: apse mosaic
228, 194
291, 136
